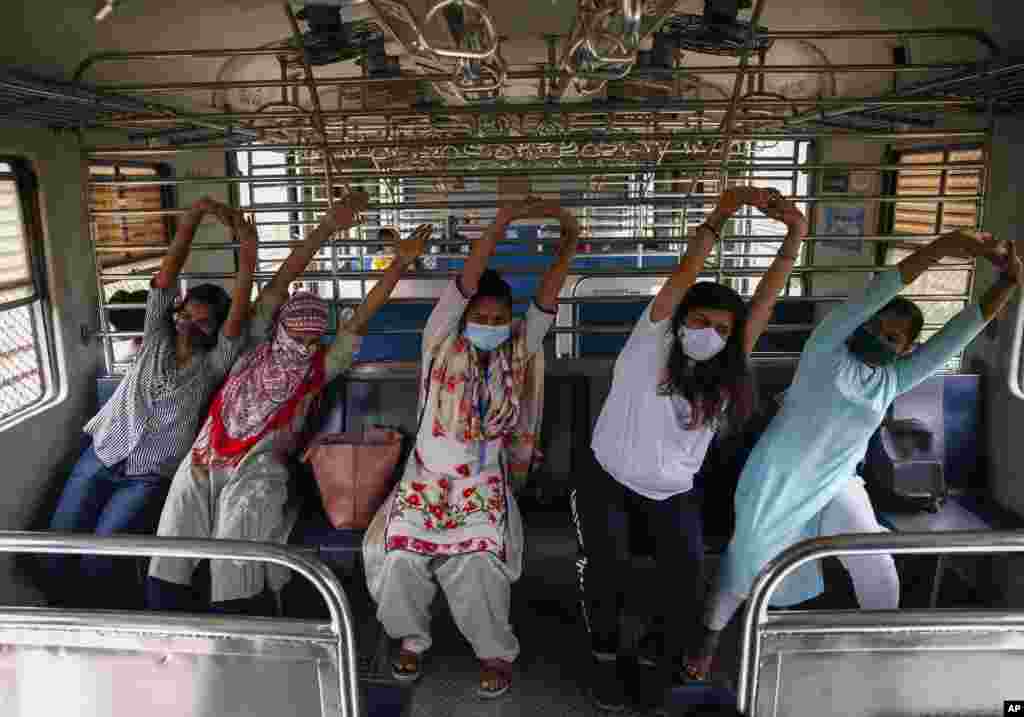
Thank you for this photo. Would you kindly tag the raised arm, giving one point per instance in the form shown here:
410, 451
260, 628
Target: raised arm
697, 250
961, 329
774, 280
248, 239
958, 244
484, 247
553, 279
343, 216
178, 251
405, 255
844, 319
996, 298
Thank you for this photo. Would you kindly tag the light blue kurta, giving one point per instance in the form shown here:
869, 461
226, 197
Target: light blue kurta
813, 445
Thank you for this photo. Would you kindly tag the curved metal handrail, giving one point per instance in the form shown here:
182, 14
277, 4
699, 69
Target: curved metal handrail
460, 53
1016, 346
962, 542
311, 569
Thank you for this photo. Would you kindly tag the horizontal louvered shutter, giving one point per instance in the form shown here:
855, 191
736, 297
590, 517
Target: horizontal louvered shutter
16, 280
924, 217
135, 233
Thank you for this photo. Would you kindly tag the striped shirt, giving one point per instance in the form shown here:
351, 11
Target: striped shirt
153, 417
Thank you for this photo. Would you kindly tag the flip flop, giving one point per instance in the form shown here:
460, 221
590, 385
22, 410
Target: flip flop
406, 667
494, 671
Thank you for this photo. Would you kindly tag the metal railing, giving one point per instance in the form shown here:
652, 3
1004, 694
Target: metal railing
686, 147
341, 626
755, 614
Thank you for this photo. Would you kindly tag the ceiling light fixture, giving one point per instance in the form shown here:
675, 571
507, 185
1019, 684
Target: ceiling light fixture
103, 9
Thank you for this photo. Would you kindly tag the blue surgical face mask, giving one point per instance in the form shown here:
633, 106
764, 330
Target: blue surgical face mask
487, 338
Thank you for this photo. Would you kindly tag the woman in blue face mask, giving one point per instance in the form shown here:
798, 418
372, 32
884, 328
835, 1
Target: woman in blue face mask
452, 520
800, 480
682, 374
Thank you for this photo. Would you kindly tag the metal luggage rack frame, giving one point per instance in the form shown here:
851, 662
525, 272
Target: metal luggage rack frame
639, 176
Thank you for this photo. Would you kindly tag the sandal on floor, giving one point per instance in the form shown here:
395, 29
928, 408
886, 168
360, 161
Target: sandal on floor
406, 667
696, 670
495, 678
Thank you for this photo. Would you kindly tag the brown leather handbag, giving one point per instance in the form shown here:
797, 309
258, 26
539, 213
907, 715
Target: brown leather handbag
355, 472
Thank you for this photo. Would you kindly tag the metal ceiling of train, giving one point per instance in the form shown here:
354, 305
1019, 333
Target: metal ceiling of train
389, 72
425, 92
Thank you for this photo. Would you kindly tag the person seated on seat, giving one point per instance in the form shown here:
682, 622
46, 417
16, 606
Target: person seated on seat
234, 484
682, 376
141, 434
801, 478
125, 320
452, 520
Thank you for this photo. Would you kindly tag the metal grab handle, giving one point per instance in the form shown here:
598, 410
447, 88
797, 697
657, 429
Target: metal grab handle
955, 542
628, 59
460, 54
237, 550
632, 17
499, 75
1016, 347
602, 78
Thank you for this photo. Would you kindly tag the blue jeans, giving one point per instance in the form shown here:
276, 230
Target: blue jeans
102, 500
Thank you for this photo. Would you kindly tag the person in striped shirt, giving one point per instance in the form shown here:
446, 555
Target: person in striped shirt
140, 435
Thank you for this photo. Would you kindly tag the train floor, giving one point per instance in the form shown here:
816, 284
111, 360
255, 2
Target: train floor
551, 674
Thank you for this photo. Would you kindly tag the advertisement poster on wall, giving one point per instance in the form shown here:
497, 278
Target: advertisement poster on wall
845, 221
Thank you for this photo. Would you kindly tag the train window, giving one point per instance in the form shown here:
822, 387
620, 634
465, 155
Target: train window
278, 179
665, 208
27, 371
958, 173
128, 242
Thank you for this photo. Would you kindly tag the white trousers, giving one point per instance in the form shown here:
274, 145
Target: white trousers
478, 587
479, 593
874, 576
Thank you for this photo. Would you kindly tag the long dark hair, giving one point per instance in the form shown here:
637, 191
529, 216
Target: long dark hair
727, 377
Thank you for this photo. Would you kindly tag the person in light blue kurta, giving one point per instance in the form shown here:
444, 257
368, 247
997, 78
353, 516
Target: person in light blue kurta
800, 481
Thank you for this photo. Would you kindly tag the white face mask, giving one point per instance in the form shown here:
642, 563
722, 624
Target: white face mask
700, 344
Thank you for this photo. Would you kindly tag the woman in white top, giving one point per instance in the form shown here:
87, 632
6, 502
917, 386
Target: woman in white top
683, 373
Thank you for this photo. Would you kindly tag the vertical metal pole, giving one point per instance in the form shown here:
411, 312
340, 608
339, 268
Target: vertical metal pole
551, 70
314, 95
108, 350
940, 208
737, 88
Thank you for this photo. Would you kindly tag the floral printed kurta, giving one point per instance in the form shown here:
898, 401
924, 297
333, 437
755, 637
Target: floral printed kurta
454, 496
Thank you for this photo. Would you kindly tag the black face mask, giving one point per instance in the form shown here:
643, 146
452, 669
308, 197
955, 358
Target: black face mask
199, 337
870, 349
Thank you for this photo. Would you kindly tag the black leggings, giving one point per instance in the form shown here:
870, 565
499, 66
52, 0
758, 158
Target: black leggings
603, 509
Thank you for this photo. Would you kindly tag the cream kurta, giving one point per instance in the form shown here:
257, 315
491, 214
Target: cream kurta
247, 501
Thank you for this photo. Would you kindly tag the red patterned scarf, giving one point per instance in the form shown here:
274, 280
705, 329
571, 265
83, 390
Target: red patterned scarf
266, 386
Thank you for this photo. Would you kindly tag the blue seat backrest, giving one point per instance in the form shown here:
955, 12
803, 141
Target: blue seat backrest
626, 314
961, 407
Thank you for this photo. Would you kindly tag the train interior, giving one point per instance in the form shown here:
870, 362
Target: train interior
887, 124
